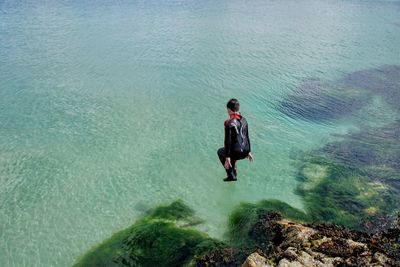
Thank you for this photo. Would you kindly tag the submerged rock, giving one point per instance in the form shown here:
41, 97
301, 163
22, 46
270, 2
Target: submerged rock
320, 101
383, 81
316, 100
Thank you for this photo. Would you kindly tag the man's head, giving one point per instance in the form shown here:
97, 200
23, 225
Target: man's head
233, 105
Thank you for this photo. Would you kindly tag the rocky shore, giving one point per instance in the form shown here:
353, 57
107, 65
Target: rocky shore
258, 236
290, 244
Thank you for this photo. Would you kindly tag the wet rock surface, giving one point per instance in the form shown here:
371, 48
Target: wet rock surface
293, 244
329, 245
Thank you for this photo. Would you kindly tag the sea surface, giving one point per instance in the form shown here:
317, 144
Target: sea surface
108, 108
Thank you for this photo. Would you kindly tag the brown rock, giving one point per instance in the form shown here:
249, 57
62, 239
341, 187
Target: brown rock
381, 259
287, 263
291, 253
295, 233
306, 259
332, 261
356, 247
255, 260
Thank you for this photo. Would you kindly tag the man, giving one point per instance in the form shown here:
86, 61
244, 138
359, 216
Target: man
237, 142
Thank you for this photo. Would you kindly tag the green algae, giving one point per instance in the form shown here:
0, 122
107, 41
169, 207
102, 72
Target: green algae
376, 151
353, 182
155, 240
243, 219
177, 210
312, 175
339, 197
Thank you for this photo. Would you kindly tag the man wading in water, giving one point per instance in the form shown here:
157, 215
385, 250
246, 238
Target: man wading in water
237, 142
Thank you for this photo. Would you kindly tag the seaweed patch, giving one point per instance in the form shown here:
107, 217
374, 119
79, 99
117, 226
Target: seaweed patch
320, 101
158, 239
355, 181
384, 81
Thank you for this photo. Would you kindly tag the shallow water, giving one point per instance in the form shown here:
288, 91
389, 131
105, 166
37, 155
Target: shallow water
109, 108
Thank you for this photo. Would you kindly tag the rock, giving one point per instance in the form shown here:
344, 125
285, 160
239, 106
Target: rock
295, 233
255, 260
356, 247
342, 247
222, 257
306, 259
381, 258
332, 261
291, 253
319, 242
301, 258
287, 263
323, 245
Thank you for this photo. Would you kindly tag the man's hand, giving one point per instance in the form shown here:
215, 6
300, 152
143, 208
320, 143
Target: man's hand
250, 156
228, 164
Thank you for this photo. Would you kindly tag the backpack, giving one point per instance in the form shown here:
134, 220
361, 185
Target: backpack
241, 144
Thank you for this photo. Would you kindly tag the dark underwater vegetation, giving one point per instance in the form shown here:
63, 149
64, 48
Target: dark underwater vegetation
161, 238
376, 151
317, 100
355, 181
320, 101
384, 81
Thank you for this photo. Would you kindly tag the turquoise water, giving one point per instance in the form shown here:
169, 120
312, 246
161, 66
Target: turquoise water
108, 108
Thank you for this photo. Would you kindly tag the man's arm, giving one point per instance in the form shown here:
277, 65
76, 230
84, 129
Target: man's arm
250, 156
248, 138
228, 141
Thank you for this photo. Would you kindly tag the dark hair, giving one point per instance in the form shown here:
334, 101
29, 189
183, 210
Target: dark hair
233, 105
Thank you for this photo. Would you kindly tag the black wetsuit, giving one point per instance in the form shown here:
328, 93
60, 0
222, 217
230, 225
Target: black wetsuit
236, 144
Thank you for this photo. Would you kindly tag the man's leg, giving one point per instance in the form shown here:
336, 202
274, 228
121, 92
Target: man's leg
230, 172
234, 160
233, 163
221, 155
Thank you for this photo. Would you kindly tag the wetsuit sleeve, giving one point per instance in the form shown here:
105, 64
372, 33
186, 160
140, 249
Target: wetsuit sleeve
228, 141
247, 135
